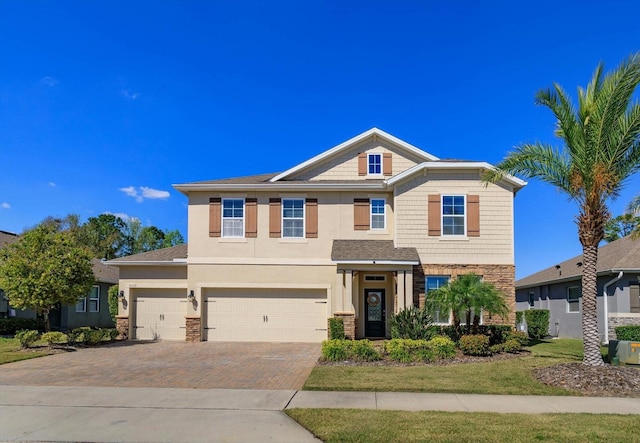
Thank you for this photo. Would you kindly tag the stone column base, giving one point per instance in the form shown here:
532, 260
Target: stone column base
122, 325
193, 329
349, 322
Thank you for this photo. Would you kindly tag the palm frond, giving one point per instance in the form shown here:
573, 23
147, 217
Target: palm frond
634, 206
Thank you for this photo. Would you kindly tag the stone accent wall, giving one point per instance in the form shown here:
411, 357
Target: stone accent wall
193, 333
622, 319
350, 323
503, 277
122, 325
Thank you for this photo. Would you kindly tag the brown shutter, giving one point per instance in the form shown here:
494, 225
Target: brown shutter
433, 215
312, 218
473, 215
361, 214
387, 164
251, 217
215, 217
362, 163
275, 214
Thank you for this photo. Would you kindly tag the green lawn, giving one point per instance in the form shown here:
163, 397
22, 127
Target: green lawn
351, 425
10, 351
512, 376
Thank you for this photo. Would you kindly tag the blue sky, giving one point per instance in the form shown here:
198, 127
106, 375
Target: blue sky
104, 105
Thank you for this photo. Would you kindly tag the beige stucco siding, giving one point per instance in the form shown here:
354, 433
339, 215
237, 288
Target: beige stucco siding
138, 279
335, 221
493, 246
344, 166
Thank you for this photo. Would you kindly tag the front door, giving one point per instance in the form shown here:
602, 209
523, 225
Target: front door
374, 313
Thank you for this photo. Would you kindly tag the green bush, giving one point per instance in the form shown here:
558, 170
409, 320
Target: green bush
411, 323
90, 336
27, 337
475, 345
496, 349
340, 350
520, 336
442, 347
537, 323
334, 350
112, 333
9, 326
93, 337
407, 350
336, 328
363, 350
630, 333
519, 316
112, 299
54, 337
496, 333
511, 346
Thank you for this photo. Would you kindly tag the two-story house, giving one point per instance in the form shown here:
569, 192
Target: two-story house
359, 231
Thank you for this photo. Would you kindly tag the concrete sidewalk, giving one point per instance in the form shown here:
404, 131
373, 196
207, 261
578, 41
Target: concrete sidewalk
54, 413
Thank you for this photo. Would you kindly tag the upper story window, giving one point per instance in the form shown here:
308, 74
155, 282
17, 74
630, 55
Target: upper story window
293, 217
374, 162
94, 299
378, 218
573, 299
453, 215
233, 217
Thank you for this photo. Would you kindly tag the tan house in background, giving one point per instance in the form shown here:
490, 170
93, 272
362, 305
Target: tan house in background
360, 231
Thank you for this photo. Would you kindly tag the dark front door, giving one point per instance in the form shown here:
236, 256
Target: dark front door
374, 313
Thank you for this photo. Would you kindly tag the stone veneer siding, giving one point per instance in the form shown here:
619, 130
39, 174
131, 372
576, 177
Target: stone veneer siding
122, 325
501, 276
349, 322
621, 319
193, 329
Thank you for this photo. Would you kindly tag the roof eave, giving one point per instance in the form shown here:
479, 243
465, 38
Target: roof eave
577, 276
377, 262
287, 186
176, 262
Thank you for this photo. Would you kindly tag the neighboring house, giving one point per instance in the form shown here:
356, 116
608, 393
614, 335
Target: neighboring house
6, 238
558, 289
359, 232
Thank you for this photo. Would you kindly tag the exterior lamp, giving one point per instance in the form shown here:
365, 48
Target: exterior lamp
192, 296
121, 295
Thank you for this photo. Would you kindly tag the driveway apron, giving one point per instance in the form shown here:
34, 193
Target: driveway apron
204, 365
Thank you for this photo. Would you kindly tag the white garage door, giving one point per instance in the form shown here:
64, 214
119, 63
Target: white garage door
282, 315
160, 315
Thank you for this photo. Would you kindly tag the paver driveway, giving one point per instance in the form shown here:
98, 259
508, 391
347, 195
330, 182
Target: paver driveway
205, 365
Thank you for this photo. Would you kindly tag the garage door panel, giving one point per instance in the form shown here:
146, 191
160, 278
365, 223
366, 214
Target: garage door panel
160, 316
266, 315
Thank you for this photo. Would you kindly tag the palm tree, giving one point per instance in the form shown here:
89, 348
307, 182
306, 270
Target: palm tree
601, 149
467, 296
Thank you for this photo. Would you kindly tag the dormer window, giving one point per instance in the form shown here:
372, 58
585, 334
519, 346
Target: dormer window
375, 164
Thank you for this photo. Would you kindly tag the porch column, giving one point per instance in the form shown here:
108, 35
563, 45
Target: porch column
339, 294
400, 292
408, 284
347, 299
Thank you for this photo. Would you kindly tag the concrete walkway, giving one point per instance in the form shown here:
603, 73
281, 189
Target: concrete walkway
54, 413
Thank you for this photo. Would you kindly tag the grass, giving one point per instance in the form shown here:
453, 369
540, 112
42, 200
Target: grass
11, 351
351, 425
512, 376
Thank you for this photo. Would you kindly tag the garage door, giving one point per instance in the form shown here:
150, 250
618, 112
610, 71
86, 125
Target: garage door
160, 315
266, 315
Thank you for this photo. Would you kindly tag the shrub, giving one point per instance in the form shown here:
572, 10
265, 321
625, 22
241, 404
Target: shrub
362, 350
339, 350
537, 323
512, 346
112, 299
400, 349
475, 345
27, 337
54, 337
519, 317
93, 337
90, 336
442, 347
336, 328
112, 333
9, 326
496, 333
334, 350
496, 349
631, 332
521, 337
411, 323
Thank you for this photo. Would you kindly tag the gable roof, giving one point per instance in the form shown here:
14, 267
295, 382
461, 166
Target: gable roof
620, 255
371, 133
175, 255
372, 251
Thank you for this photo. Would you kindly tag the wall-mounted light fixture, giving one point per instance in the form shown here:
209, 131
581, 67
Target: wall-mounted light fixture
121, 295
192, 295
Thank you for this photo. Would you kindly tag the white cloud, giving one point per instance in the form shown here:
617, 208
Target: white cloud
131, 95
48, 81
5, 205
143, 192
122, 215
51, 184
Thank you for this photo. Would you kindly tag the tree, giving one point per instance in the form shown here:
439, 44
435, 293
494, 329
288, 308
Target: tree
138, 238
601, 149
45, 267
467, 296
104, 236
172, 238
621, 226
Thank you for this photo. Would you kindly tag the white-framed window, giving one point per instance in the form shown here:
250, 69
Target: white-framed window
378, 217
453, 215
94, 299
433, 282
81, 305
573, 299
375, 277
374, 164
532, 299
233, 217
293, 218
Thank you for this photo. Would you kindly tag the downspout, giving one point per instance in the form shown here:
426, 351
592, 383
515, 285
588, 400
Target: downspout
606, 305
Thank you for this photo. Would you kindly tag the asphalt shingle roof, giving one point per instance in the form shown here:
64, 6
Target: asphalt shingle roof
622, 254
104, 273
383, 250
7, 238
159, 255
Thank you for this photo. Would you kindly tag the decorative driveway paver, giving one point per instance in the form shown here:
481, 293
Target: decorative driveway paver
204, 365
